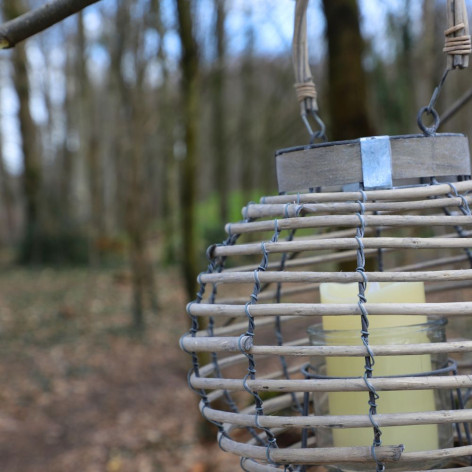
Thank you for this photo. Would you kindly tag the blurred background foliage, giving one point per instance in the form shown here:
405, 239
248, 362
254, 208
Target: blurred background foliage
143, 124
129, 135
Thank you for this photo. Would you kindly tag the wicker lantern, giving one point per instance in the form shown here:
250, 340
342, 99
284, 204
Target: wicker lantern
384, 216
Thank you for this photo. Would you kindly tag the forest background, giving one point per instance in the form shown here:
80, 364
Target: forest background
129, 134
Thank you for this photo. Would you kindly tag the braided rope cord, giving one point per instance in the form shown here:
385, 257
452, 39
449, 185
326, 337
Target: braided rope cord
304, 85
457, 38
457, 45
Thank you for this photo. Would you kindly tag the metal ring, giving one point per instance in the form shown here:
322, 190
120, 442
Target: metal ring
431, 130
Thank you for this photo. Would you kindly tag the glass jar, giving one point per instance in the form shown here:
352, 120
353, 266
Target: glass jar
414, 437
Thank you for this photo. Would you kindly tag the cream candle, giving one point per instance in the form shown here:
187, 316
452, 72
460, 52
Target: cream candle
415, 438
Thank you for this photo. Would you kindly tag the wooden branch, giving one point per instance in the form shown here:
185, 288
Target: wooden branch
340, 163
39, 19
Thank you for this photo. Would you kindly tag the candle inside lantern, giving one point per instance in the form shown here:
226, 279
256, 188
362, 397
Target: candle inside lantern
415, 438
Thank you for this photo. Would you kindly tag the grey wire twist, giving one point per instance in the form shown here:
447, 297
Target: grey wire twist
251, 371
369, 358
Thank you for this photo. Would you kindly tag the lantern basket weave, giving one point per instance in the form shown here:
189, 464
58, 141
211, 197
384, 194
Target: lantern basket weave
259, 295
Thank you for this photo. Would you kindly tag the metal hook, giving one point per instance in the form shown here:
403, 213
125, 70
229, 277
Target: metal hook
428, 130
430, 110
321, 133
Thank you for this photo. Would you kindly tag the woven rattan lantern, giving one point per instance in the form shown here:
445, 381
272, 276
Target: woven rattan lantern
324, 311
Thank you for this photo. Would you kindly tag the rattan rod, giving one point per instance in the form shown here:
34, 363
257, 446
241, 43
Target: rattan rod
311, 288
348, 255
311, 456
241, 327
344, 421
271, 294
235, 344
342, 243
339, 257
335, 385
334, 257
437, 454
252, 466
318, 309
325, 221
460, 469
292, 209
209, 369
312, 277
430, 263
216, 344
394, 194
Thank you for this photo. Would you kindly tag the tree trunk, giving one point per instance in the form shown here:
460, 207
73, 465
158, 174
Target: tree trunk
427, 61
169, 186
347, 80
218, 125
89, 143
31, 158
131, 162
8, 198
247, 114
189, 84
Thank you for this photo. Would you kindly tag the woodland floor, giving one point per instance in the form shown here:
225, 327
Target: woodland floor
79, 392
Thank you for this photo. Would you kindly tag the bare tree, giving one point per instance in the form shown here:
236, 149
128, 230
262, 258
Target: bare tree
8, 197
89, 132
247, 110
347, 79
190, 97
219, 115
131, 136
31, 157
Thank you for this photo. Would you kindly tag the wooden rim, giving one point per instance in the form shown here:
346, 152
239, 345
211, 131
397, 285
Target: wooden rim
341, 163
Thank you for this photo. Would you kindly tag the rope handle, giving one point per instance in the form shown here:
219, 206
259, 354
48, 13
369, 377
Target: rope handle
458, 43
304, 85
